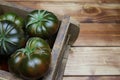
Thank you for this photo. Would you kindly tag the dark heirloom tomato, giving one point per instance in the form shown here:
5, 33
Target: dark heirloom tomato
13, 18
30, 63
42, 23
11, 37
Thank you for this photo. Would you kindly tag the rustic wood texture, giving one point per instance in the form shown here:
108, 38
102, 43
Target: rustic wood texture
98, 34
80, 12
93, 78
4, 75
97, 49
93, 61
99, 1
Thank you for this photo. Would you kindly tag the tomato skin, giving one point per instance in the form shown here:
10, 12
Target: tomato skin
30, 63
36, 42
11, 38
35, 67
13, 18
15, 61
42, 23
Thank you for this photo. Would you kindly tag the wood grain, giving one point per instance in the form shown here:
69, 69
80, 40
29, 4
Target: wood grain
80, 12
4, 75
98, 34
96, 51
98, 1
93, 61
93, 78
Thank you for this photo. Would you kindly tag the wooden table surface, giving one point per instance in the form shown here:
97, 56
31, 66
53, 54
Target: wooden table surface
96, 53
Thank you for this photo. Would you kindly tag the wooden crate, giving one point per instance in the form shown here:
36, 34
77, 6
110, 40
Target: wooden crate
60, 50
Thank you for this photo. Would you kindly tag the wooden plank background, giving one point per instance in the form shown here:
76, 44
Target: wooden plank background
93, 61
98, 34
96, 53
100, 1
80, 12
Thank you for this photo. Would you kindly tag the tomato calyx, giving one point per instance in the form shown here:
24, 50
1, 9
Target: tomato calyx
4, 34
38, 18
28, 51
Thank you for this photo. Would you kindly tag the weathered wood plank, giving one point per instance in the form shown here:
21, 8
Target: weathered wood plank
93, 78
80, 12
93, 61
98, 1
4, 75
98, 34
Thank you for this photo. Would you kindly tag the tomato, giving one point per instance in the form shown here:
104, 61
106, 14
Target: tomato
30, 62
11, 37
42, 23
13, 18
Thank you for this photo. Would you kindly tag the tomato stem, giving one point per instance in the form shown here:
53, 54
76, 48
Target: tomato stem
28, 51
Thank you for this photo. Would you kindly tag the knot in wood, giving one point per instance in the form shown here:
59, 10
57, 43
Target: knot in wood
91, 10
